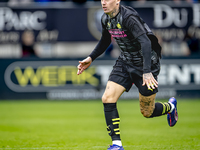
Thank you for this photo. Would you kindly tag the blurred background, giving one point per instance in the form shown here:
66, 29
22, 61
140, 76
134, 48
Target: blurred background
41, 42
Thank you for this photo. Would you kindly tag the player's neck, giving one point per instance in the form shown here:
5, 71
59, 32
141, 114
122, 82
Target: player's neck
114, 12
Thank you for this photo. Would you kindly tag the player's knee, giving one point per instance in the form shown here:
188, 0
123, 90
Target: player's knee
146, 114
107, 99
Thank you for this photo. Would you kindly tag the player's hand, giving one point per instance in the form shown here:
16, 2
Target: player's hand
84, 64
149, 81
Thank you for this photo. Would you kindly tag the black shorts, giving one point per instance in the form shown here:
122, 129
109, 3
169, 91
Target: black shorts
125, 75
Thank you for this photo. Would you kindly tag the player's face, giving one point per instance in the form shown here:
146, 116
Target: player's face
109, 5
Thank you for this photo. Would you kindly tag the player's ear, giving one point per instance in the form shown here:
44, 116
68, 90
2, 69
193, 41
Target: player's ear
117, 2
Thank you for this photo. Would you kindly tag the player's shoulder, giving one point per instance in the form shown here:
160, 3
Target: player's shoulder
104, 19
128, 11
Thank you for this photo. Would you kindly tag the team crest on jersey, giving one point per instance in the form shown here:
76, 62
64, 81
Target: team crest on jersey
118, 26
108, 24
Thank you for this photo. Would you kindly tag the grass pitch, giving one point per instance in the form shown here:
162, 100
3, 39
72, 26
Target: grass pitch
80, 125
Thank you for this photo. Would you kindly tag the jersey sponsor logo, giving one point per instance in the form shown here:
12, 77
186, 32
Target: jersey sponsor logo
117, 33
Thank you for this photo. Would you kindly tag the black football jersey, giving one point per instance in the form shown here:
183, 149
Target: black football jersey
125, 28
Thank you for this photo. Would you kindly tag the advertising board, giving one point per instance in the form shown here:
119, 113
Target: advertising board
58, 79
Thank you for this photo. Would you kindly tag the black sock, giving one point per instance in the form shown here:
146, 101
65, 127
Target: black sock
112, 120
161, 109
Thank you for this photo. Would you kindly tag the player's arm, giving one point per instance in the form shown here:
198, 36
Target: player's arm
139, 34
148, 78
84, 64
145, 44
101, 47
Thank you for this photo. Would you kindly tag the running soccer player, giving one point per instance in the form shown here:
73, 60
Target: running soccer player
138, 63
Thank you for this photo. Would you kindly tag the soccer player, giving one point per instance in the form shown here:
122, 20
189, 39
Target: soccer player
137, 64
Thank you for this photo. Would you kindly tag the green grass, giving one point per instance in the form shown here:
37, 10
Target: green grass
80, 125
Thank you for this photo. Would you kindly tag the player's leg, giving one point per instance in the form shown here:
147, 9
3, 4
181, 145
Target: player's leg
149, 108
112, 93
119, 81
